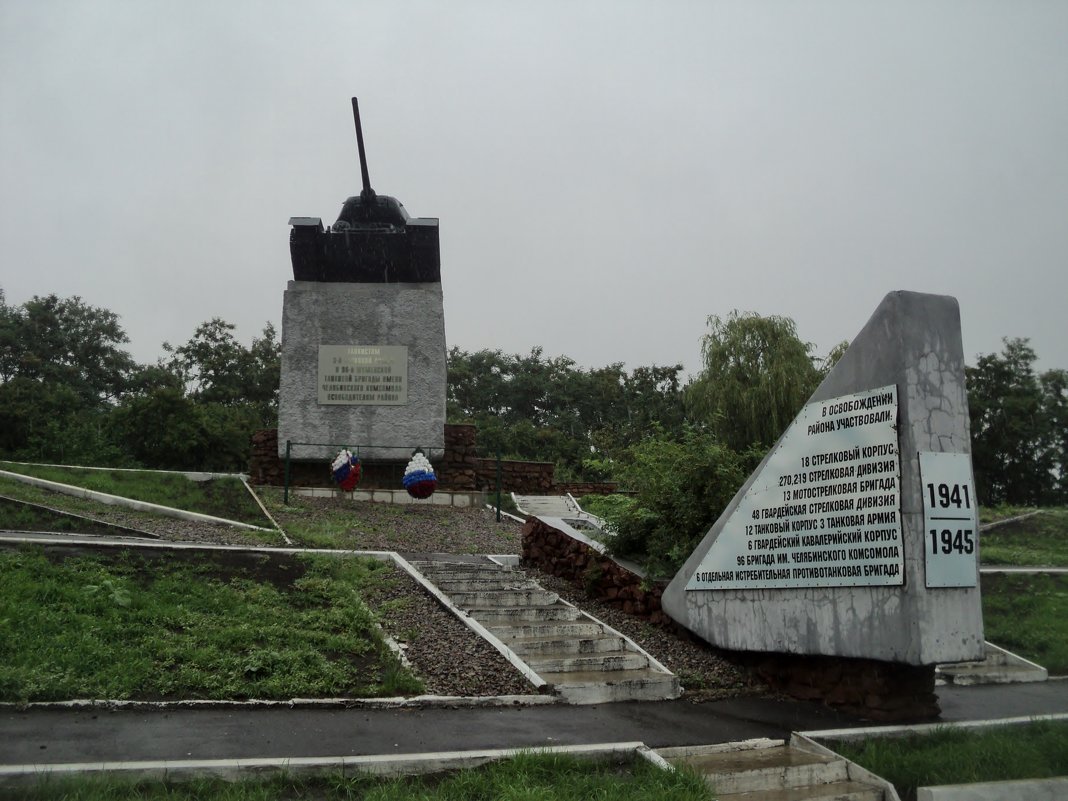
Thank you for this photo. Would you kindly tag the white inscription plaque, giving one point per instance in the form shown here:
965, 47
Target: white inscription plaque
825, 510
363, 375
950, 520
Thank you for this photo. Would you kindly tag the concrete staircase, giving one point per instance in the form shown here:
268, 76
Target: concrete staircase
583, 660
547, 505
770, 770
564, 507
999, 667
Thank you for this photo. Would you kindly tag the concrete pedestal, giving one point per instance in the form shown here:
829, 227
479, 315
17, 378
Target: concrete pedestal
362, 315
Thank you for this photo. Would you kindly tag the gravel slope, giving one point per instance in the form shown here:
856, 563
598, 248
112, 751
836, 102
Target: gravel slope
449, 657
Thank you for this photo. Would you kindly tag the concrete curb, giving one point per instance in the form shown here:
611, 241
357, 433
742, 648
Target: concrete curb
192, 475
129, 503
83, 539
856, 772
263, 509
400, 702
509, 515
923, 728
237, 769
998, 523
1029, 789
118, 529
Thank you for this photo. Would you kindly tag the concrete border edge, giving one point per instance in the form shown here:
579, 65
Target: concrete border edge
129, 503
379, 765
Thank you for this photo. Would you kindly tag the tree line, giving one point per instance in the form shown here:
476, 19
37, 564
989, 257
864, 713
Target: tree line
70, 393
683, 448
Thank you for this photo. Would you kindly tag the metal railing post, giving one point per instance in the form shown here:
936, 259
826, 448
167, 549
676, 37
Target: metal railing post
285, 494
498, 485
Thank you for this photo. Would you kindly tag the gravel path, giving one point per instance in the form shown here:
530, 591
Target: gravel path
396, 527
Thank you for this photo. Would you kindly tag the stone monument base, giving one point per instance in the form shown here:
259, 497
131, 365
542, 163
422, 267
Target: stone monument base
363, 366
868, 688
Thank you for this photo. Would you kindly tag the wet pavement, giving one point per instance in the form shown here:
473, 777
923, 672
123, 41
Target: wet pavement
40, 736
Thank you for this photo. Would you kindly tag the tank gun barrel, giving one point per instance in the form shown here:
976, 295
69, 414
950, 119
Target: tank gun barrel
367, 190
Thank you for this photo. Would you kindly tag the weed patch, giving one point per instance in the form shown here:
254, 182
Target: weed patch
1040, 540
1028, 614
959, 756
94, 627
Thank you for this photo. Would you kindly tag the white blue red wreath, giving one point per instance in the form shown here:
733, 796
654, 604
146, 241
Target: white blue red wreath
346, 470
419, 478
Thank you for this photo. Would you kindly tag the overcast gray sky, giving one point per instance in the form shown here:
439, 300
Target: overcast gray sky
607, 174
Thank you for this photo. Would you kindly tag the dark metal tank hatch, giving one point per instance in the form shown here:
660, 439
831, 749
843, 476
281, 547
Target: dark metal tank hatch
374, 240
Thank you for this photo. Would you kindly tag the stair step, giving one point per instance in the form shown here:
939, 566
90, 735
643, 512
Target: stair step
601, 687
593, 663
504, 598
549, 630
761, 769
575, 644
484, 585
833, 791
585, 663
531, 614
971, 673
999, 667
469, 574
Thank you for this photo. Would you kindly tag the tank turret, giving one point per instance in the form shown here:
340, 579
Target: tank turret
374, 240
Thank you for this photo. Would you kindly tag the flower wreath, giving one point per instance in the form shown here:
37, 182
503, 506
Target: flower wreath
346, 470
419, 478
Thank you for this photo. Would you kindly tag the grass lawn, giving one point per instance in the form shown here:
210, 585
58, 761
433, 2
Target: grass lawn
1041, 540
528, 777
221, 497
252, 626
959, 756
1028, 614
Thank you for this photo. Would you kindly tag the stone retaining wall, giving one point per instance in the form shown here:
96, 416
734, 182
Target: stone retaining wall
603, 578
460, 469
580, 488
457, 469
526, 478
882, 691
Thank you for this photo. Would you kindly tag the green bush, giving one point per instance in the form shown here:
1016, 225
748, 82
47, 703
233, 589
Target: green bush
681, 486
608, 507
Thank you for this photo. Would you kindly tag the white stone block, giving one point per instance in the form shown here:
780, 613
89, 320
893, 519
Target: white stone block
408, 315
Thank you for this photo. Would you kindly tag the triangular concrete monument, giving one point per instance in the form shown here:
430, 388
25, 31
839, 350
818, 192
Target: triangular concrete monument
857, 536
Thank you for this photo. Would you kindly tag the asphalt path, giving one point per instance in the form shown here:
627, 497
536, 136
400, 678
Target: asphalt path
43, 736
